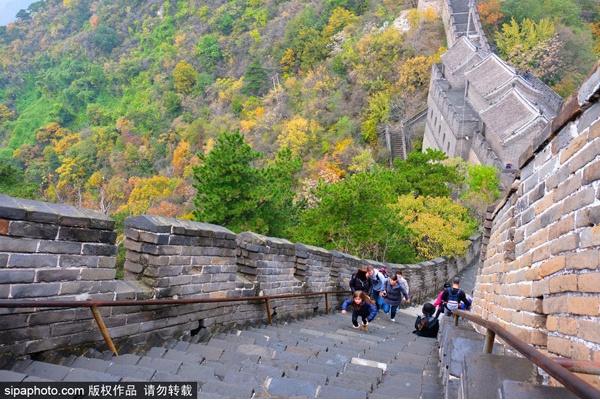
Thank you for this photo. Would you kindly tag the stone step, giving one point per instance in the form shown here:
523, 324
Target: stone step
232, 391
341, 392
482, 374
291, 388
316, 378
522, 390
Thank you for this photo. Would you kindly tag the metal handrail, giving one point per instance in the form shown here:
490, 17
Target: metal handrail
94, 304
571, 381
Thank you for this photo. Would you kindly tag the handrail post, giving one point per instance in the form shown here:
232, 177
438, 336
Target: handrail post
103, 330
455, 319
488, 345
268, 311
326, 304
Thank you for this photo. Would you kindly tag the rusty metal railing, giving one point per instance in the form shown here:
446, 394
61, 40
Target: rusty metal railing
571, 381
93, 305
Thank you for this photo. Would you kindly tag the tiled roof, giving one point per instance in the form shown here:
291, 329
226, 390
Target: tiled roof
489, 74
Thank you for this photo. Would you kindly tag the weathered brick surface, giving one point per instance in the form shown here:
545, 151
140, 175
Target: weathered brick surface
550, 285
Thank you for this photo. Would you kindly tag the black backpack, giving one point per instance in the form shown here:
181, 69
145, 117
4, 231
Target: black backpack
427, 326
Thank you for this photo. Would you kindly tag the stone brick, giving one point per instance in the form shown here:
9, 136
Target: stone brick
17, 260
97, 274
589, 330
559, 345
107, 262
565, 243
583, 305
555, 304
588, 259
591, 173
4, 226
16, 276
552, 323
589, 282
86, 235
587, 217
74, 261
579, 200
574, 146
567, 326
19, 291
590, 236
580, 351
541, 253
58, 247
537, 193
552, 265
563, 283
589, 152
57, 274
4, 291
20, 245
557, 177
543, 204
567, 187
32, 230
78, 287
551, 215
99, 249
564, 225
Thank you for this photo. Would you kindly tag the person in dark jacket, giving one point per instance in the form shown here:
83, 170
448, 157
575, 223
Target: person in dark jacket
362, 306
427, 325
361, 280
452, 299
393, 294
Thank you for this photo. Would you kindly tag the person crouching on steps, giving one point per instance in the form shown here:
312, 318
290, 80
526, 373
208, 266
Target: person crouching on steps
362, 306
392, 295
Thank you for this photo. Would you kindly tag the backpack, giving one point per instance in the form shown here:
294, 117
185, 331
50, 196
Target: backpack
384, 271
427, 326
453, 300
358, 284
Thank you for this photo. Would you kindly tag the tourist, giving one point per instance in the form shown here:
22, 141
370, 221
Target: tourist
438, 300
362, 306
378, 279
361, 280
453, 297
392, 295
404, 284
427, 325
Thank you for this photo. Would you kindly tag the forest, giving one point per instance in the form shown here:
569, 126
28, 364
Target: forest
261, 115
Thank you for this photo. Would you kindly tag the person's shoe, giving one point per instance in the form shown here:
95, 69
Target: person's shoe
355, 326
393, 319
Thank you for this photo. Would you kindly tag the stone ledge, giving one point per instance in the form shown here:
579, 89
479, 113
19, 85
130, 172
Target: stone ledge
60, 214
177, 226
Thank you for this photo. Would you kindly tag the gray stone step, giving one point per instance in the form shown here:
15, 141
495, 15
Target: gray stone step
340, 392
291, 388
85, 375
46, 370
317, 379
176, 355
134, 372
483, 374
197, 373
11, 376
522, 390
237, 391
159, 364
92, 364
210, 353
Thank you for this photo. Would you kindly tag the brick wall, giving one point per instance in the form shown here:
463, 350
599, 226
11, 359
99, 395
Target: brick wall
57, 252
540, 276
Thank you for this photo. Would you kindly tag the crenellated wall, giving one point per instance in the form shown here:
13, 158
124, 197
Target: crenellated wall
57, 252
541, 272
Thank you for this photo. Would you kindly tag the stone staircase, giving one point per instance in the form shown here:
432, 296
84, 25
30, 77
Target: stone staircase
467, 373
322, 357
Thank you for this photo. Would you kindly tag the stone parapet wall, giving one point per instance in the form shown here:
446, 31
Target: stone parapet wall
541, 271
55, 252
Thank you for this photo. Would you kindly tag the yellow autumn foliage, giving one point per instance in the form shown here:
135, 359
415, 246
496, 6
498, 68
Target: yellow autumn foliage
298, 133
440, 227
181, 157
148, 192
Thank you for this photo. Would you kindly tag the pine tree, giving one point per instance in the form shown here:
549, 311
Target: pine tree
255, 79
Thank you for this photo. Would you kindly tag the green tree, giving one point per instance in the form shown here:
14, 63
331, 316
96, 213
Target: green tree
352, 215
255, 79
105, 38
226, 182
184, 77
425, 174
209, 51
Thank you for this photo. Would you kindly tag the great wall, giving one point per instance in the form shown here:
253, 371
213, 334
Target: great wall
537, 265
